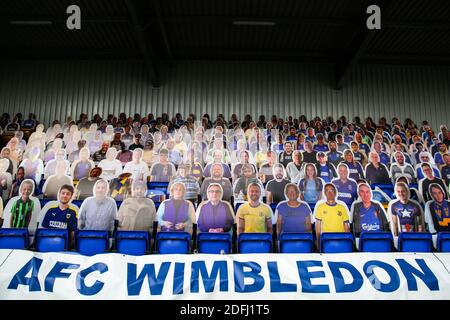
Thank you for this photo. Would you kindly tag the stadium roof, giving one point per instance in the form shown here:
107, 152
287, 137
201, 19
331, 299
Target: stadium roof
166, 31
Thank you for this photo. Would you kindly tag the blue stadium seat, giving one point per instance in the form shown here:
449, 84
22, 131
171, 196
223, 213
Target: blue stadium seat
237, 205
213, 243
336, 242
155, 193
173, 242
157, 185
92, 242
157, 190
43, 202
78, 203
443, 242
415, 196
51, 240
415, 242
414, 185
296, 242
255, 242
38, 189
375, 241
388, 189
134, 243
273, 206
381, 196
12, 238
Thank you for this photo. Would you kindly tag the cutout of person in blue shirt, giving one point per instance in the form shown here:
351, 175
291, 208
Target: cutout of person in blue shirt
367, 214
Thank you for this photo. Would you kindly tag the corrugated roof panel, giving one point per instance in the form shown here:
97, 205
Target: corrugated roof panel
255, 88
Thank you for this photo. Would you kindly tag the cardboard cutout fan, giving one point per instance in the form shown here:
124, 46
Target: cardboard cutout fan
22, 211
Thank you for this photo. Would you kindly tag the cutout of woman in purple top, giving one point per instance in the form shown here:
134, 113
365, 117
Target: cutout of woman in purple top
215, 215
176, 214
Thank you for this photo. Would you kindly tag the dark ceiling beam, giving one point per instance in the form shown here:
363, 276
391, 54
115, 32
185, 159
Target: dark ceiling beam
254, 55
295, 55
200, 54
144, 45
162, 28
354, 52
358, 44
269, 52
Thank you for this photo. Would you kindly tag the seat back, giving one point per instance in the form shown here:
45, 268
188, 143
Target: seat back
214, 243
336, 242
174, 242
92, 242
158, 186
386, 188
156, 195
380, 196
11, 238
51, 240
415, 242
374, 241
296, 242
134, 243
237, 205
443, 242
273, 206
43, 202
255, 242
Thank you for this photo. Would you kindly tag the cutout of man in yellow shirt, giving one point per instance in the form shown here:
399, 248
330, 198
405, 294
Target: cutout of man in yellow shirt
331, 215
254, 216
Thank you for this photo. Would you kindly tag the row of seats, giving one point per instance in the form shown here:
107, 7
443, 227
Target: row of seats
89, 242
342, 242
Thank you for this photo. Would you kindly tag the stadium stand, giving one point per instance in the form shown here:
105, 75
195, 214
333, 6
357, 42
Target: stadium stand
139, 231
